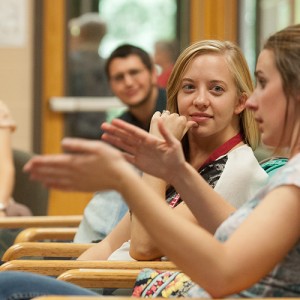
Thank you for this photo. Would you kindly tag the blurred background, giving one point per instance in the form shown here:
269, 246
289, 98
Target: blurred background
39, 37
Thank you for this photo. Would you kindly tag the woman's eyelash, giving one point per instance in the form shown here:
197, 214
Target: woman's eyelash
261, 82
187, 86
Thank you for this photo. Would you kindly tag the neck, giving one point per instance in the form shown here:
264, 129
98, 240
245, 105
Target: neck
201, 149
295, 151
144, 111
295, 140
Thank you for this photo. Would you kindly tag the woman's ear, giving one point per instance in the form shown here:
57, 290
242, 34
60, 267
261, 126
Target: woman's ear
241, 104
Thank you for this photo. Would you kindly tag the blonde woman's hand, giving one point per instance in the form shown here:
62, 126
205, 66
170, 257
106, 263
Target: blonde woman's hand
173, 122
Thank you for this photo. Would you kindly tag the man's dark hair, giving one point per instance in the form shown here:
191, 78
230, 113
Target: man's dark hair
126, 50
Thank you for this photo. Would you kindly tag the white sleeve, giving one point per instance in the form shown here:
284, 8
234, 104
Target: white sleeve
242, 176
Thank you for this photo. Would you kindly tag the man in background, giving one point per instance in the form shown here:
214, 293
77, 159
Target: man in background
133, 79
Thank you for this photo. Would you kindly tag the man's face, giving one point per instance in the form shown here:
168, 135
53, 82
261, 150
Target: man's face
130, 80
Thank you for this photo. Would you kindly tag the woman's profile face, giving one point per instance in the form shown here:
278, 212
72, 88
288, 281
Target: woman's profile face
208, 96
268, 100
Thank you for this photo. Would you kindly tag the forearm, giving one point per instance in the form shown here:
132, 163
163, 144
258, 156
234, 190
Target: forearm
97, 252
7, 185
159, 220
217, 267
7, 170
101, 250
142, 246
209, 208
113, 241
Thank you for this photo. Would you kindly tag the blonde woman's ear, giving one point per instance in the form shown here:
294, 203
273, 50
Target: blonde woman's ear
241, 104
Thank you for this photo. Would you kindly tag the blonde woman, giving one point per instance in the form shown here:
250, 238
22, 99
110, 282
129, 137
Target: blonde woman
220, 147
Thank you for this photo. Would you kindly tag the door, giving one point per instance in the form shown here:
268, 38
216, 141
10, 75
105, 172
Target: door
196, 19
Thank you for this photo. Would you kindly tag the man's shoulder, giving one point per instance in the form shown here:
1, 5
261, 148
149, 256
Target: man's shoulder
127, 116
161, 102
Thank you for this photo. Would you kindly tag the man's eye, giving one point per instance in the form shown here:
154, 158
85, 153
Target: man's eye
134, 72
119, 78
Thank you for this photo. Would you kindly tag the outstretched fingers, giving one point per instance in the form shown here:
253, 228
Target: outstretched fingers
52, 170
123, 135
118, 142
40, 160
79, 146
123, 129
56, 180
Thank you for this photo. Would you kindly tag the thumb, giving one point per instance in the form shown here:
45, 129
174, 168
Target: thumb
191, 124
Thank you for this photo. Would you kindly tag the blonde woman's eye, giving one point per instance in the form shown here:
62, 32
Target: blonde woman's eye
187, 87
218, 89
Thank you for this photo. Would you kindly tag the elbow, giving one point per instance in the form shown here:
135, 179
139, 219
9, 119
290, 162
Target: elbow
225, 286
222, 292
218, 292
143, 253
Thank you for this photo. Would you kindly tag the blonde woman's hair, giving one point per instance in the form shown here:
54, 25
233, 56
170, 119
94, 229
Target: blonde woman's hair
237, 66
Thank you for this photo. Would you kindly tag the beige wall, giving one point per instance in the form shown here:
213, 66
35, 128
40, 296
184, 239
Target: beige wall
16, 77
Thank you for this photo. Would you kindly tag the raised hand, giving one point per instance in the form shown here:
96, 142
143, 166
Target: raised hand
176, 124
88, 166
158, 156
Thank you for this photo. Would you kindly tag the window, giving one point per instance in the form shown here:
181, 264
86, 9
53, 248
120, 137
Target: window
94, 32
259, 19
140, 22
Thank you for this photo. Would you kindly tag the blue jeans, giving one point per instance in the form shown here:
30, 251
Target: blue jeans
100, 217
25, 286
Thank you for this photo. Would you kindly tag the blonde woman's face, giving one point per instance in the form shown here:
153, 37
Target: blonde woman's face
208, 96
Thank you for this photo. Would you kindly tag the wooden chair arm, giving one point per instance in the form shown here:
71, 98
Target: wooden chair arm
46, 233
57, 267
40, 221
101, 298
101, 278
43, 249
128, 298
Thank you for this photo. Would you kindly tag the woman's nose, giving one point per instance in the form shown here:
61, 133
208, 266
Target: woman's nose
201, 99
251, 102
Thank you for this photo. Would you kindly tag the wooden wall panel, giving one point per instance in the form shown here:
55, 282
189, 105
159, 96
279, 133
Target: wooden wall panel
53, 83
213, 19
53, 72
